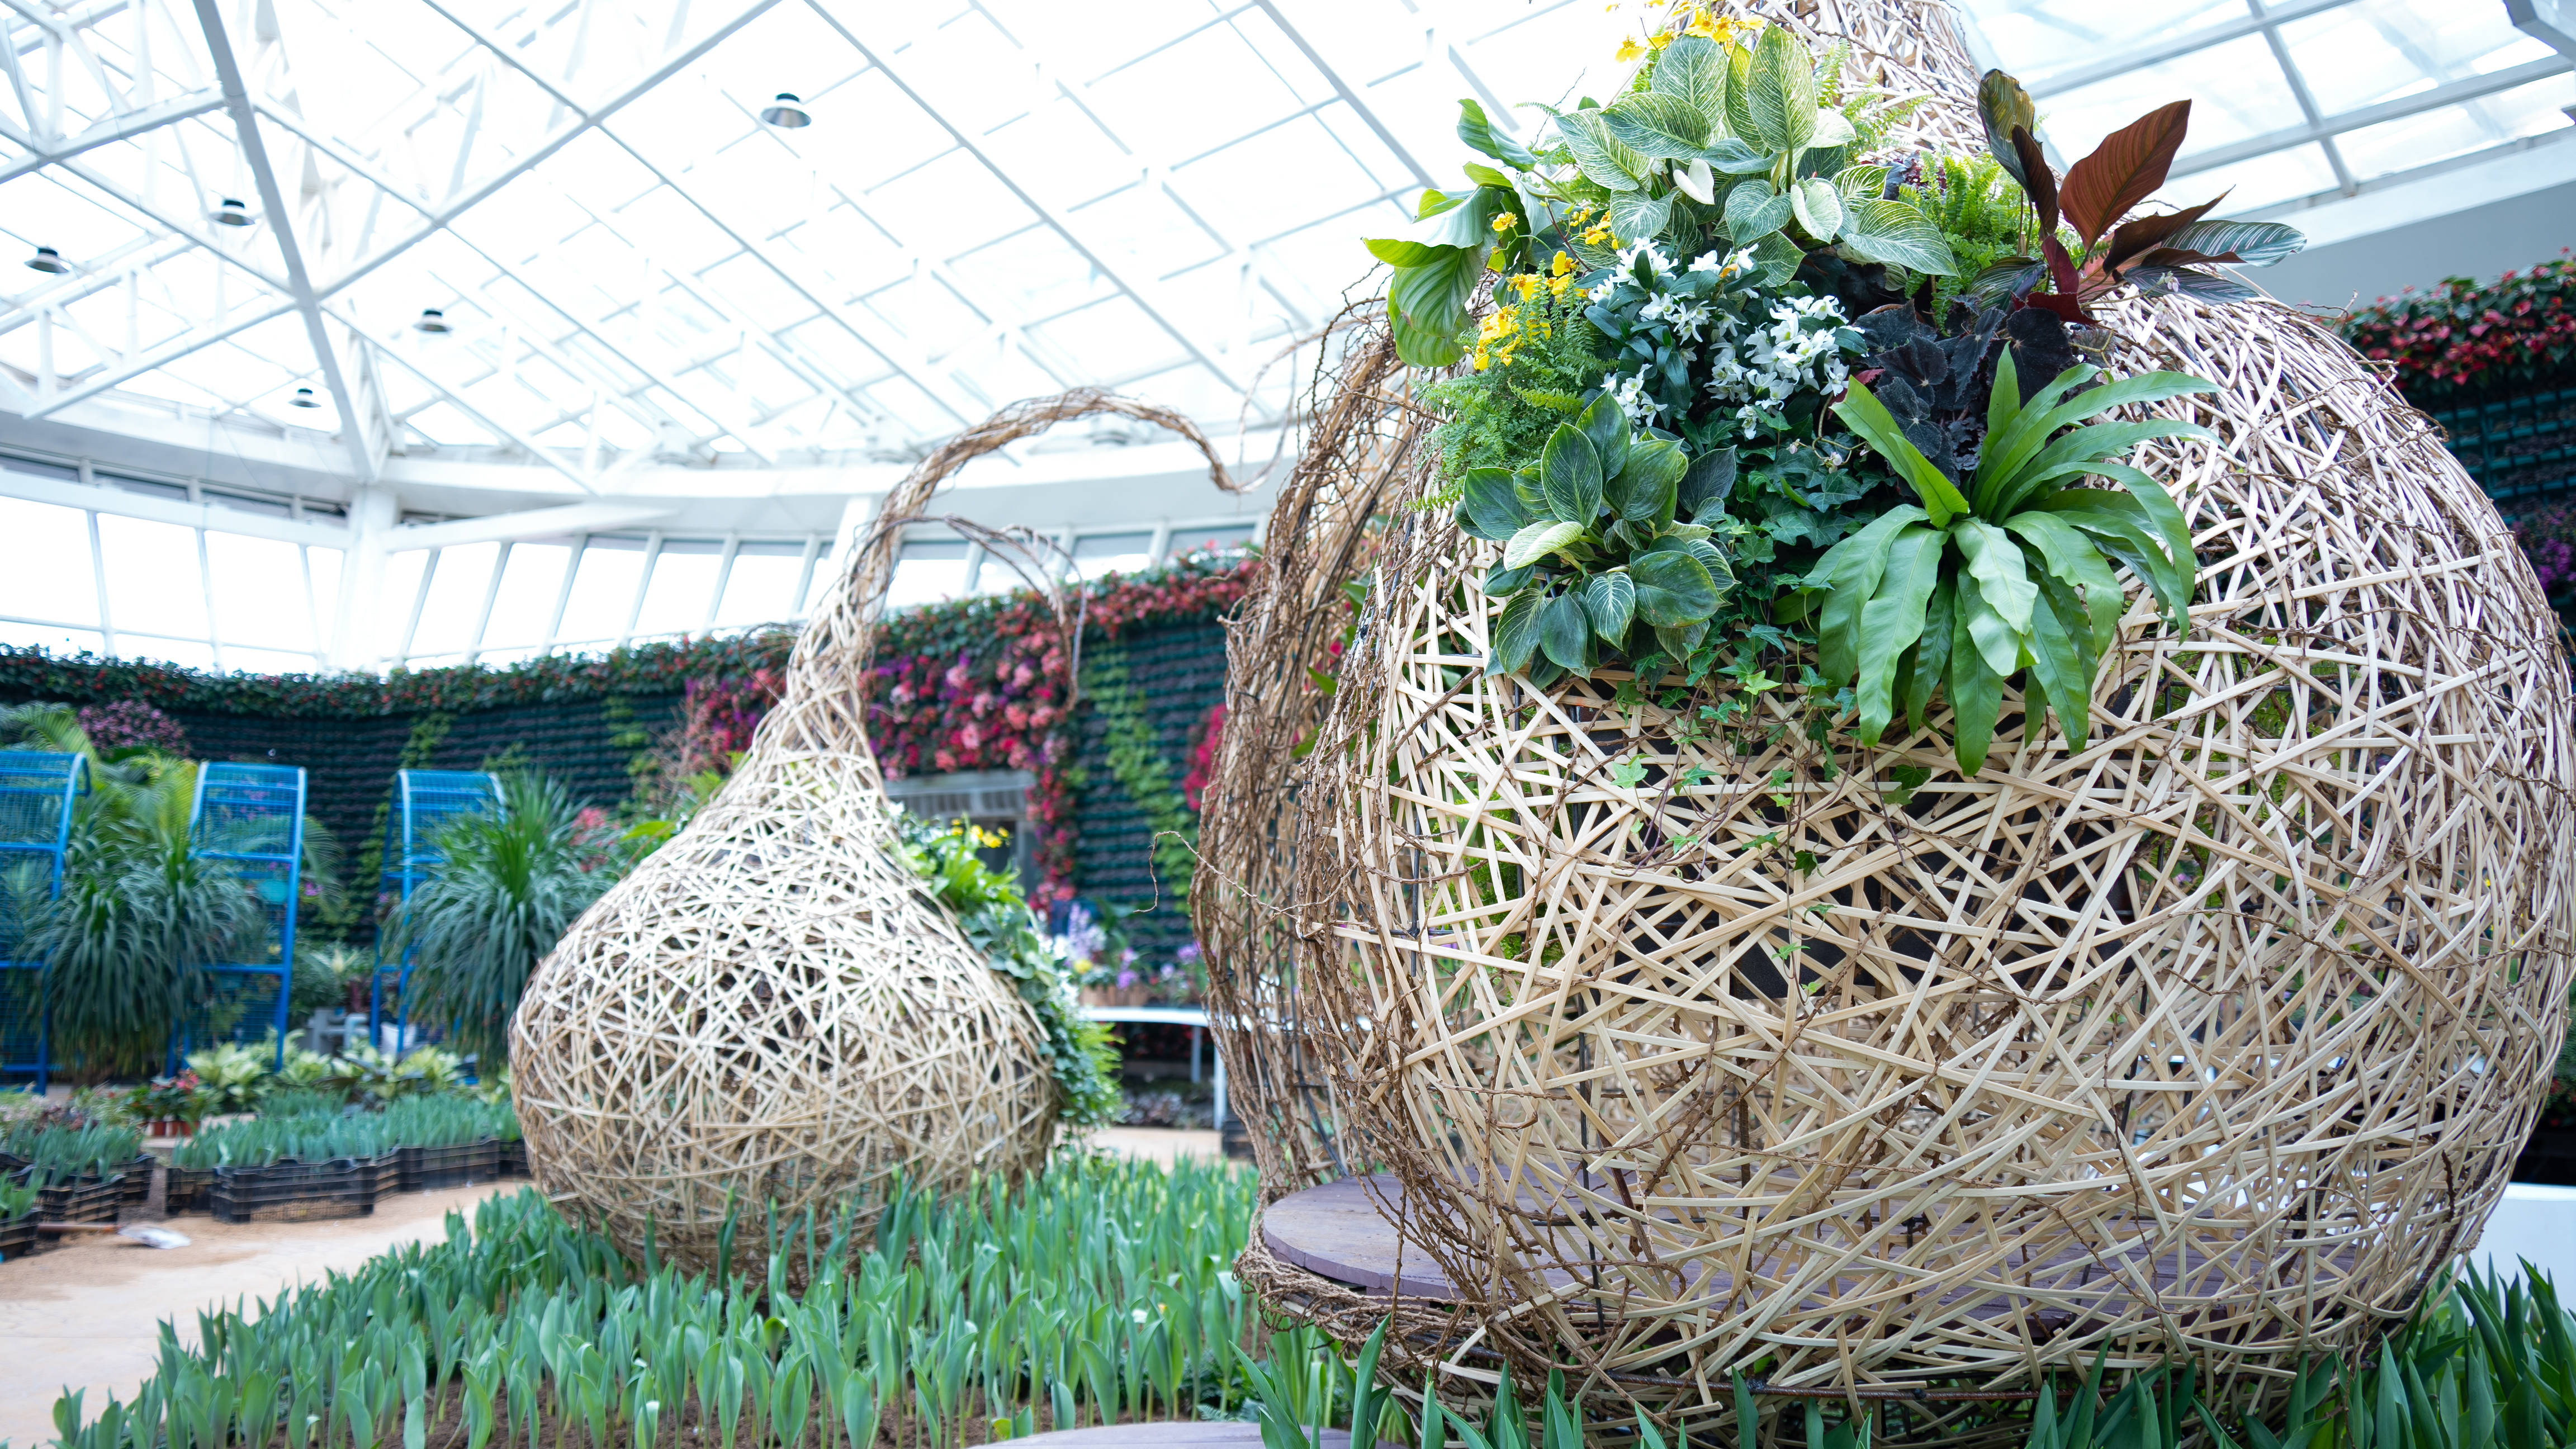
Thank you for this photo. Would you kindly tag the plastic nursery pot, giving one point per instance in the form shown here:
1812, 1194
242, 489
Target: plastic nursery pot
188, 1189
18, 1238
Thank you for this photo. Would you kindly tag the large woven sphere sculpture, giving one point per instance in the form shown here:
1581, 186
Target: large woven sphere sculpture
1705, 1043
770, 1014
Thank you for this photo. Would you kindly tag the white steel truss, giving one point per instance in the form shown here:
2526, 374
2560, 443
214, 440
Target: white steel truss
457, 159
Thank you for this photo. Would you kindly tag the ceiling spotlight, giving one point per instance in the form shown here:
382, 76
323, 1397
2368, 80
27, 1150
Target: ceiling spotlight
431, 320
788, 114
47, 259
232, 213
304, 398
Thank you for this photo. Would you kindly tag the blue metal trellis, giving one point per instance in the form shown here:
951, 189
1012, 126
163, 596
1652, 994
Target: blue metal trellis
251, 817
424, 801
36, 802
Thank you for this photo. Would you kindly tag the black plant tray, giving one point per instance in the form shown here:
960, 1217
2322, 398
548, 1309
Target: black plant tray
138, 1179
189, 1187
514, 1158
419, 1169
17, 1237
349, 1183
83, 1199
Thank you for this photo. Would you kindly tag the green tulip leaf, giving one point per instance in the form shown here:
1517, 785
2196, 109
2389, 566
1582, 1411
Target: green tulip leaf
1570, 476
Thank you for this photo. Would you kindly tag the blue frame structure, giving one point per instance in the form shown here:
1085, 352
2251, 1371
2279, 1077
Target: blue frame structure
251, 817
424, 800
37, 795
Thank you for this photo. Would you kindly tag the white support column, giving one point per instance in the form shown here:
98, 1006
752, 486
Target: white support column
206, 581
419, 603
491, 591
373, 513
724, 574
805, 575
643, 584
98, 576
563, 593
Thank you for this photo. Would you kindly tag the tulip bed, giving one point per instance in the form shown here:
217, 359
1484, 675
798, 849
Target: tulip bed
1099, 1292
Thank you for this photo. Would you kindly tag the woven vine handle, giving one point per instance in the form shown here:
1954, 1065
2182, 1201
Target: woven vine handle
824, 704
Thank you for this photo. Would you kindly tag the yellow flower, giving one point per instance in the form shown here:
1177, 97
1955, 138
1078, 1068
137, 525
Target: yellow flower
1562, 266
1477, 358
1629, 49
1505, 221
1529, 283
1600, 234
1661, 39
1559, 287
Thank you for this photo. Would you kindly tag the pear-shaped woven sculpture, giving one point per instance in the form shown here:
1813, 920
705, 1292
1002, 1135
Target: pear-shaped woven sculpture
770, 1010
1703, 1046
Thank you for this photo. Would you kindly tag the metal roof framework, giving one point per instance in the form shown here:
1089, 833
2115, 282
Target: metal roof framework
995, 199
2286, 91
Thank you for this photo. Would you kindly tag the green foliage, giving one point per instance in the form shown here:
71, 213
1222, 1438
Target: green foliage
1596, 563
16, 1201
1099, 1290
369, 1074
1981, 212
1535, 367
318, 1135
1136, 761
1751, 148
63, 1151
997, 921
323, 971
140, 916
230, 1078
2008, 572
509, 884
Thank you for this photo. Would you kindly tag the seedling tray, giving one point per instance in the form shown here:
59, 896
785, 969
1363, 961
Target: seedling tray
17, 1238
514, 1158
344, 1186
189, 1187
83, 1199
419, 1169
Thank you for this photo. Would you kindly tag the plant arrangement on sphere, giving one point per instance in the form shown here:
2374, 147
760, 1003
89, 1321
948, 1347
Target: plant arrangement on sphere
997, 921
508, 885
1892, 481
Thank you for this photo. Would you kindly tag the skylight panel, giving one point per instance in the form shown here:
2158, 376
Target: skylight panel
2236, 89
761, 589
900, 135
2036, 37
153, 577
444, 424
927, 313
947, 206
49, 567
1111, 339
2378, 50
2399, 145
1031, 274
2264, 180
603, 591
1152, 232
753, 291
531, 578
259, 593
1072, 37
682, 586
1238, 189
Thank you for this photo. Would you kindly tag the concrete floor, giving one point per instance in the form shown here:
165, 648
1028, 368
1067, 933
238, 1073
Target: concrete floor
87, 1313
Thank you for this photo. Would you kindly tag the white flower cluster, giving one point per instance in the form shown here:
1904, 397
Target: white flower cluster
1685, 316
1727, 268
1797, 351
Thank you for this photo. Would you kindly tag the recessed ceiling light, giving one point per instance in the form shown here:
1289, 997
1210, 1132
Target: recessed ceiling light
788, 114
431, 320
232, 213
47, 259
304, 398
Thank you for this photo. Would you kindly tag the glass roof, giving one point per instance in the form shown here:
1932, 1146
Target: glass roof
988, 201
2291, 99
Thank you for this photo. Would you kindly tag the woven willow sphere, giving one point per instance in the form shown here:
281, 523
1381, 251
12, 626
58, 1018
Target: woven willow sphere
1702, 1046
771, 1010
